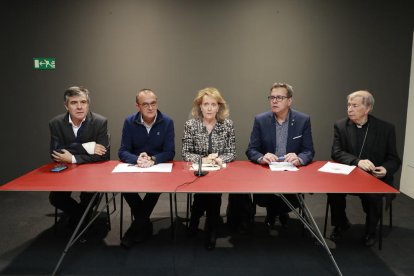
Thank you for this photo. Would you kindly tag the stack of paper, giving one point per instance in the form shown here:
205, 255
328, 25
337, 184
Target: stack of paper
330, 167
124, 167
207, 167
282, 166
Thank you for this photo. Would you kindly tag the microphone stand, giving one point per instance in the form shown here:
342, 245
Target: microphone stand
200, 172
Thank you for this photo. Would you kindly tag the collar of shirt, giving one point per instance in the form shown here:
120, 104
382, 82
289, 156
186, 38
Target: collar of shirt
74, 127
148, 127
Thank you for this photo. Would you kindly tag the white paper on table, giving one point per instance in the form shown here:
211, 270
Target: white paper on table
282, 166
330, 167
124, 167
208, 167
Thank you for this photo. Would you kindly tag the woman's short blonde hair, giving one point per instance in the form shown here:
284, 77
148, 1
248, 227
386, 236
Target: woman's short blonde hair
223, 111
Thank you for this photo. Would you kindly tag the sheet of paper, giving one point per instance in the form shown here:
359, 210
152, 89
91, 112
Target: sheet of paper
282, 166
124, 167
207, 167
330, 167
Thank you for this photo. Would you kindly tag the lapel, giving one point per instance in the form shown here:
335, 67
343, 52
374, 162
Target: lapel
351, 136
272, 124
291, 126
84, 129
371, 136
68, 128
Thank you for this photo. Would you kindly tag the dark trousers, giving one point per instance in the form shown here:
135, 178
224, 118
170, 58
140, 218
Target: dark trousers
275, 206
64, 202
371, 204
141, 208
240, 210
209, 203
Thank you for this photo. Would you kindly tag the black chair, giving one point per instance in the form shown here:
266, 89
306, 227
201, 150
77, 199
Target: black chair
386, 201
108, 213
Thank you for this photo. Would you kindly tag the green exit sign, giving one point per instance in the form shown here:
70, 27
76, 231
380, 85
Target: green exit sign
44, 63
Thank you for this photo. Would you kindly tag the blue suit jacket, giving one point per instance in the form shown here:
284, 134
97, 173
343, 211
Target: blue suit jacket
263, 136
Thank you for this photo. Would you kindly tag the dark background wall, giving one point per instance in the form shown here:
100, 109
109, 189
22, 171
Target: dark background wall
325, 49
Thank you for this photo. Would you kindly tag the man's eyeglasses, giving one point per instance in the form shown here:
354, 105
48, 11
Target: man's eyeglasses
147, 105
277, 98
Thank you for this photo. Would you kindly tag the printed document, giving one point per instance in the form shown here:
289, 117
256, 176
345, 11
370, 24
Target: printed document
124, 167
282, 166
207, 167
330, 167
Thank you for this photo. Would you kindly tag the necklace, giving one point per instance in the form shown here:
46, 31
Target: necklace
363, 142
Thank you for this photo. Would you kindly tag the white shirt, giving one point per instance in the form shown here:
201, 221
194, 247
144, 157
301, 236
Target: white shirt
75, 131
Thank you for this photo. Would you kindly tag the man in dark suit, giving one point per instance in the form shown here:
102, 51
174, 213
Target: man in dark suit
282, 134
77, 136
367, 142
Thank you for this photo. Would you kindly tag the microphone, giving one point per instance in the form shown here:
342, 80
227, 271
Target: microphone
200, 172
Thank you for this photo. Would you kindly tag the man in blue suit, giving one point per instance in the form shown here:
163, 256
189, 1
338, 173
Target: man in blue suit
282, 134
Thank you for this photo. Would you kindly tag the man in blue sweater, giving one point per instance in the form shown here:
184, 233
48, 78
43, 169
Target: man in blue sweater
147, 139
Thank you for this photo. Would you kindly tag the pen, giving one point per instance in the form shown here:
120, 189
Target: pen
280, 158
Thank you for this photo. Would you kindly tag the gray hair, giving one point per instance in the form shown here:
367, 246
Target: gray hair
367, 98
288, 87
76, 91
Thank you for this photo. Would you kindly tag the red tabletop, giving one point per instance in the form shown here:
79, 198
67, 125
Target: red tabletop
238, 177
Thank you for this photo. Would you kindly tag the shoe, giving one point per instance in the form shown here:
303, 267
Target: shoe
270, 221
284, 218
369, 240
193, 228
143, 233
337, 231
270, 225
211, 240
128, 238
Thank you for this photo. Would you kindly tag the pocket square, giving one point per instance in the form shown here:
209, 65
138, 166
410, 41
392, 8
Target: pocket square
296, 137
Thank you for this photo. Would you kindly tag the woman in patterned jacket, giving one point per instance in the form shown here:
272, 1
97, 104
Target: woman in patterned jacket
210, 136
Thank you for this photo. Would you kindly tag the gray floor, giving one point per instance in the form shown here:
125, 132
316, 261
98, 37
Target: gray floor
30, 246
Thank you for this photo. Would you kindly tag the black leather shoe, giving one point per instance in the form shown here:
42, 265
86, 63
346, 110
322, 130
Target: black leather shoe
284, 218
211, 240
128, 238
270, 221
337, 231
143, 233
369, 240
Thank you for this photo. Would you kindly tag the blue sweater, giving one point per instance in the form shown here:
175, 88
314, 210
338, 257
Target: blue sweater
159, 142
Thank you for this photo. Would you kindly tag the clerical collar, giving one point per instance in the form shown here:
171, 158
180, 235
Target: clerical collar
361, 125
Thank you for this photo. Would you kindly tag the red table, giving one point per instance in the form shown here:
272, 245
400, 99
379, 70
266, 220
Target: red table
238, 177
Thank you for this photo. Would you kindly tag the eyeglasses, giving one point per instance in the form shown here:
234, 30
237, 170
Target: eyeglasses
277, 98
147, 105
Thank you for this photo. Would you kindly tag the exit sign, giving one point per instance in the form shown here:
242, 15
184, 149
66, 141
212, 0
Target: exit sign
44, 63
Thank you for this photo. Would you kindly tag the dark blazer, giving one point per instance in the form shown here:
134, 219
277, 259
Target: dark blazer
263, 136
93, 129
380, 145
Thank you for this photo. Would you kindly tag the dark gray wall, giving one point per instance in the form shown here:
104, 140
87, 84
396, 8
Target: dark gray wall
325, 49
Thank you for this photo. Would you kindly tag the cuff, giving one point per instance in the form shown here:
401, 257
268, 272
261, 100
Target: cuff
89, 147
